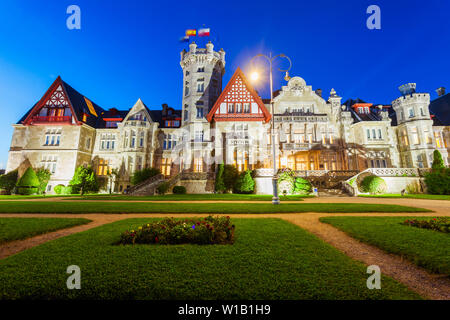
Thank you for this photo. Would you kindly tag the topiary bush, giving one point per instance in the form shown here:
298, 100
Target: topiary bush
8, 181
29, 183
302, 186
286, 181
230, 176
245, 183
438, 162
219, 185
438, 181
179, 190
209, 230
373, 185
58, 188
163, 188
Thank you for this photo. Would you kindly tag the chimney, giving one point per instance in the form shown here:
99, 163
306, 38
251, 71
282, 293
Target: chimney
440, 91
164, 109
318, 92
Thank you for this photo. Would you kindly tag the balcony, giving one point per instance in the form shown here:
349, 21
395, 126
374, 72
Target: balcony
51, 119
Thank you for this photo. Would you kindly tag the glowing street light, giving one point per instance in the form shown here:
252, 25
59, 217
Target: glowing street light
255, 76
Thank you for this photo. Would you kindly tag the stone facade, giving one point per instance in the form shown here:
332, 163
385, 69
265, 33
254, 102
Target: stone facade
231, 126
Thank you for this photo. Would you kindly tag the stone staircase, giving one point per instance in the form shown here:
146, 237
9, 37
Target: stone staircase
147, 187
332, 193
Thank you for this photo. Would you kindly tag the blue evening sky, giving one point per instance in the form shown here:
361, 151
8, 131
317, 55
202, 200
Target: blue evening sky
129, 49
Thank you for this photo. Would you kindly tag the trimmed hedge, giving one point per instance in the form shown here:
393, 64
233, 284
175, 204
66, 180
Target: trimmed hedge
29, 183
438, 181
302, 186
8, 181
179, 190
209, 230
245, 183
163, 188
373, 185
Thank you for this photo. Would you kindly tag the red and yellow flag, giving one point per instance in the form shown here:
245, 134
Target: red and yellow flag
191, 32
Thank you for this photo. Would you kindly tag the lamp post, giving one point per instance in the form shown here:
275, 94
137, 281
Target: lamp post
270, 59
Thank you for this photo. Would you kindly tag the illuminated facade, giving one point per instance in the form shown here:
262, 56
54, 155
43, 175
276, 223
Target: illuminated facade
64, 129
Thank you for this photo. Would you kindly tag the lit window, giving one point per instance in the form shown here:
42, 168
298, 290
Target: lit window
198, 165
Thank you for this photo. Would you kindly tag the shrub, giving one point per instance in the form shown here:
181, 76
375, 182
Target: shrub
58, 188
209, 230
179, 190
373, 185
302, 186
28, 183
163, 188
438, 181
441, 224
220, 184
230, 175
413, 188
438, 162
84, 180
245, 183
8, 181
44, 177
286, 182
140, 176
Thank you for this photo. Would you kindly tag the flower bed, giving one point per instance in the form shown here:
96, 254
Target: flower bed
441, 224
209, 230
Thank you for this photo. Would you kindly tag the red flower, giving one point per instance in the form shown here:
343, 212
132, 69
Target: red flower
156, 239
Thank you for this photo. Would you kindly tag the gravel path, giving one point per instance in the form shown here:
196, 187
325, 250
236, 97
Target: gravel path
428, 285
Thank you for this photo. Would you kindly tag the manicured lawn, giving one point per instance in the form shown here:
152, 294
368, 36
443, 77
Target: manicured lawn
227, 208
192, 197
271, 259
20, 197
413, 196
21, 228
426, 248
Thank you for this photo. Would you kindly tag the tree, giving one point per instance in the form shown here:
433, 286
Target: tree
84, 180
29, 183
44, 177
245, 183
438, 162
220, 184
8, 181
230, 175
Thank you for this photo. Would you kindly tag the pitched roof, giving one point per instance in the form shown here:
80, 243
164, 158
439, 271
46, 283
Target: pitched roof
78, 103
440, 107
239, 74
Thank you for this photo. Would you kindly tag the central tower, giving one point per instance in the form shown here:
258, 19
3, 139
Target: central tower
203, 70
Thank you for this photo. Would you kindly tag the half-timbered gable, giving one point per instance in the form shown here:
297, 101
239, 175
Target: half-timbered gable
239, 102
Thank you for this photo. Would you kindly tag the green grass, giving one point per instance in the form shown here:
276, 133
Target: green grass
412, 196
227, 208
192, 197
426, 248
271, 259
35, 196
21, 228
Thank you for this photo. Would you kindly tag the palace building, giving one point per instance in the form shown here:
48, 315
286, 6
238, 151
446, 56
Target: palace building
65, 129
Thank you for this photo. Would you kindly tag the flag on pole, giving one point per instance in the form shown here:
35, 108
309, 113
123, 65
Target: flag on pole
191, 32
203, 32
184, 39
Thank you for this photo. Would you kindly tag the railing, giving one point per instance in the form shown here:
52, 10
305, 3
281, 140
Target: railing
46, 119
329, 173
158, 177
397, 172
